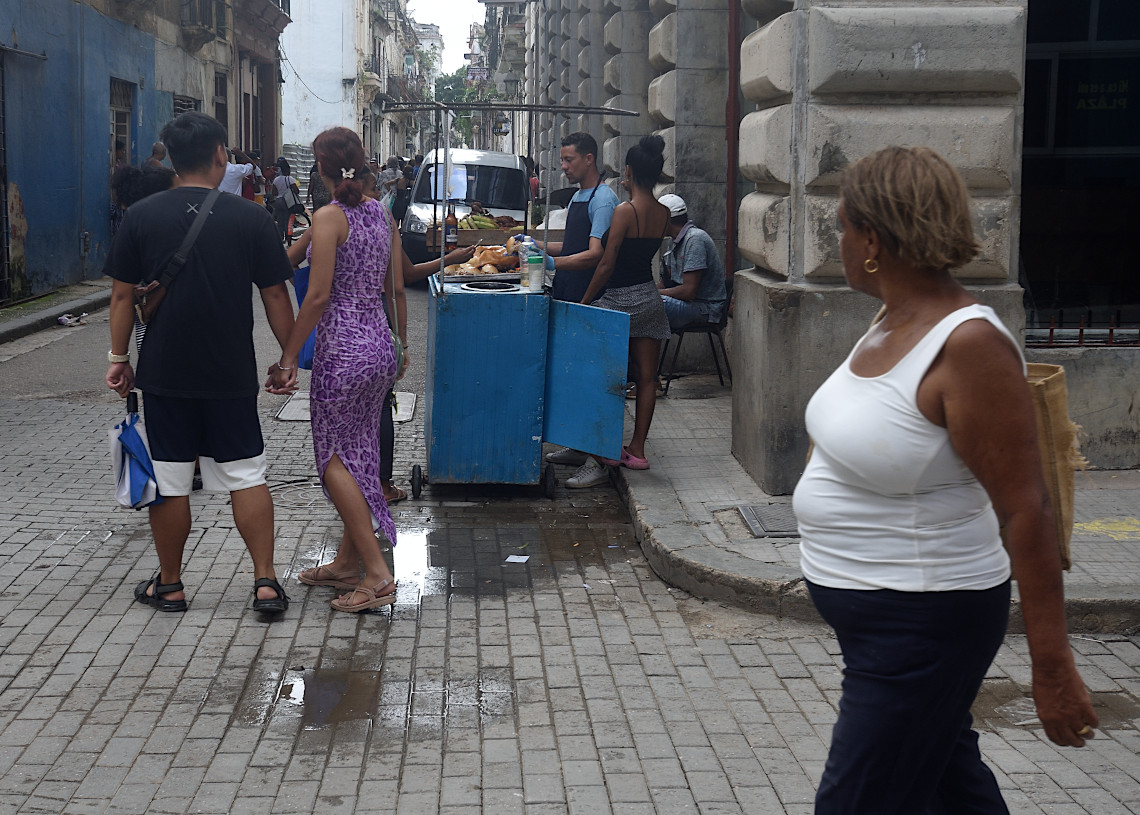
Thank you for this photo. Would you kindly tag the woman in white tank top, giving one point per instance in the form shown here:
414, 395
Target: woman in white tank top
925, 445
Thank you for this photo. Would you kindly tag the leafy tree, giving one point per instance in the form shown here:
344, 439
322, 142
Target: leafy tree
427, 59
454, 87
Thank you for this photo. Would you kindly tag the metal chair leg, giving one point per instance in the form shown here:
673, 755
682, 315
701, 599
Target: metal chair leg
724, 351
712, 349
673, 364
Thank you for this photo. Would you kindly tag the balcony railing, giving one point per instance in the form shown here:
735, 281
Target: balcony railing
398, 87
202, 13
372, 65
201, 21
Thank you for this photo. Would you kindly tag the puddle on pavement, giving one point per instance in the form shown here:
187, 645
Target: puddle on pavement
1004, 703
425, 563
408, 562
468, 557
324, 697
327, 697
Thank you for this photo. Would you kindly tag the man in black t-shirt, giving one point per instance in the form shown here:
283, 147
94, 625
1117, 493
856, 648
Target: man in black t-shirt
197, 369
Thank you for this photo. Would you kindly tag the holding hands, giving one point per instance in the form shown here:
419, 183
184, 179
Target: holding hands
281, 380
403, 368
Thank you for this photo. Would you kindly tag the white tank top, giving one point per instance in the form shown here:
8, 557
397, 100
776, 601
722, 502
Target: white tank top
885, 502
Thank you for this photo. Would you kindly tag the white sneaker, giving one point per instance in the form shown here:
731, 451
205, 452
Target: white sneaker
566, 455
589, 474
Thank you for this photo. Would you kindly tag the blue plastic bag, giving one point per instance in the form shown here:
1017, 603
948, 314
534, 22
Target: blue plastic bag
301, 285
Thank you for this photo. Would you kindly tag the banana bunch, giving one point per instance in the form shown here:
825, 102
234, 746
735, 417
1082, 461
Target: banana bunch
476, 221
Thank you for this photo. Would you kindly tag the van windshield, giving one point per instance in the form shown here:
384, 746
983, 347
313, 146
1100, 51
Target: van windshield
493, 187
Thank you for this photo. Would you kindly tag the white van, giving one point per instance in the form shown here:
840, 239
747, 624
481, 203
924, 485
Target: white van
498, 181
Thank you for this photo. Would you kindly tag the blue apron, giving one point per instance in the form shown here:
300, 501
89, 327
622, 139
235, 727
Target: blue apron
572, 285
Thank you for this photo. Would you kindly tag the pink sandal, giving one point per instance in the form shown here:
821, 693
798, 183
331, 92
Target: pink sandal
372, 598
632, 462
324, 576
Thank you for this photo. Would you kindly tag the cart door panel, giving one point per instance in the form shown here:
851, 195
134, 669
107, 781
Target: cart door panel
586, 359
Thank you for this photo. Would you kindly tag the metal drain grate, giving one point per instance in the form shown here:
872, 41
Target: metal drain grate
770, 520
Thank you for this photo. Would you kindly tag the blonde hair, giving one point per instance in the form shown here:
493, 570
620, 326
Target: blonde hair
915, 202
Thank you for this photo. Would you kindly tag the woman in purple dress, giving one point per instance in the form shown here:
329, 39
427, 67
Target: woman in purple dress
354, 366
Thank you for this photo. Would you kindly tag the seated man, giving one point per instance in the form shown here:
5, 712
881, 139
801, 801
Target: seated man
694, 290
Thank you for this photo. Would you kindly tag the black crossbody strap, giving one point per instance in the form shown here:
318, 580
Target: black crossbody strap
179, 259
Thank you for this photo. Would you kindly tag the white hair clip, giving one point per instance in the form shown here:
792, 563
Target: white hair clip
347, 173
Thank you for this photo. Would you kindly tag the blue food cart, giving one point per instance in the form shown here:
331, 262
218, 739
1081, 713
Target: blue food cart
508, 369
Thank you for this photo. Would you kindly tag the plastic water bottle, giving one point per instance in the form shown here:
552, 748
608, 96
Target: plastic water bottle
522, 249
530, 265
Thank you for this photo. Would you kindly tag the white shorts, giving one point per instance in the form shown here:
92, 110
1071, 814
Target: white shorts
177, 477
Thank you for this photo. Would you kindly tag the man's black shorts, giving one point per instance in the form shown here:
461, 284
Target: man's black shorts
223, 435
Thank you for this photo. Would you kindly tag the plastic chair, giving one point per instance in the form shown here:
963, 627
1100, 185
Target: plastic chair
709, 330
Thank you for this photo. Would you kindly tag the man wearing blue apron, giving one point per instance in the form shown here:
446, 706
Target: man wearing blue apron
587, 219
587, 225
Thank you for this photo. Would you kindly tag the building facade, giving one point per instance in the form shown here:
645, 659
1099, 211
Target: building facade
763, 103
347, 62
78, 77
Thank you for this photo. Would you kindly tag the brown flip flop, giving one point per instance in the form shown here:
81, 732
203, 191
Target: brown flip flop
324, 576
372, 598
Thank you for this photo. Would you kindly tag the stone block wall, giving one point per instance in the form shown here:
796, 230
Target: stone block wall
830, 83
1103, 394
687, 100
688, 53
590, 63
626, 78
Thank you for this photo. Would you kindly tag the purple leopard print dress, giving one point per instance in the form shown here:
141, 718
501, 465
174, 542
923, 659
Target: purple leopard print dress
354, 363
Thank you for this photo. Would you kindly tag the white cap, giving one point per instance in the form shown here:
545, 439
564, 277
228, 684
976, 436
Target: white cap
675, 203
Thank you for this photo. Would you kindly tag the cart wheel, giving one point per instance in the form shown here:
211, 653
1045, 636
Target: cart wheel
417, 481
548, 481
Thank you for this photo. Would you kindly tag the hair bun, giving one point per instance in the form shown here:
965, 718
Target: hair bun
653, 144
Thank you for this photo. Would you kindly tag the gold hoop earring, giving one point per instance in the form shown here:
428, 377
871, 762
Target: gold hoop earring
870, 266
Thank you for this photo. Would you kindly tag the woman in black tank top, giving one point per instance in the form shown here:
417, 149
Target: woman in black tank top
625, 275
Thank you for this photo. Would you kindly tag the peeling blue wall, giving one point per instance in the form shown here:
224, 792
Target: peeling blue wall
58, 134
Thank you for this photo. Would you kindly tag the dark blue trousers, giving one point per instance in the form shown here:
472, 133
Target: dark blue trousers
914, 661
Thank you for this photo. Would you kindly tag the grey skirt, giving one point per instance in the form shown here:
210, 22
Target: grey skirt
642, 302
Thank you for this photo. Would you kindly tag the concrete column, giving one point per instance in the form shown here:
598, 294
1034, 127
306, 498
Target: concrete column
687, 103
591, 61
550, 28
832, 84
568, 65
626, 78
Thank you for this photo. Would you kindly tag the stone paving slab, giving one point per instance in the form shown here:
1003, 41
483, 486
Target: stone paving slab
575, 682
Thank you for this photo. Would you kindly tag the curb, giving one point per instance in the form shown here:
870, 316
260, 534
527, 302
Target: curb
682, 556
40, 320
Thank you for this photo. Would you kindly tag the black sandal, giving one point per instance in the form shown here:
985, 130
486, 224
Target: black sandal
274, 605
156, 600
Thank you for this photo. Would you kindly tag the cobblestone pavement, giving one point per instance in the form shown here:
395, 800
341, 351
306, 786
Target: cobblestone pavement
574, 682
